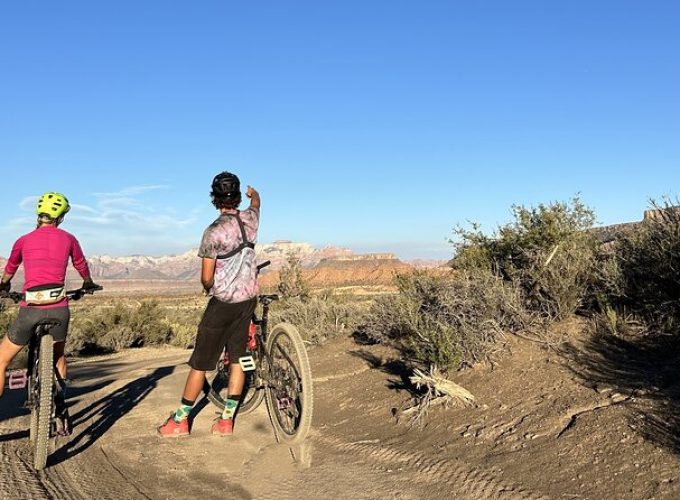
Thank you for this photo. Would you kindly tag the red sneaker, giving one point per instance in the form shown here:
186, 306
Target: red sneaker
173, 429
223, 427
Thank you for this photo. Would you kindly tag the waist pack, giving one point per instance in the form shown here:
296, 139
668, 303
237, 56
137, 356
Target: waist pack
45, 294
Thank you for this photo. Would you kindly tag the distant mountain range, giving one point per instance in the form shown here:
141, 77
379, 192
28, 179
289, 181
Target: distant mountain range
186, 266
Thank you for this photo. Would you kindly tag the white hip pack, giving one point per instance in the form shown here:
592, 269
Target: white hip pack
45, 294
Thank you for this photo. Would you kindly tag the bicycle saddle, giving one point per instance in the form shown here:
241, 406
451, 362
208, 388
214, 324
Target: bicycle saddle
48, 323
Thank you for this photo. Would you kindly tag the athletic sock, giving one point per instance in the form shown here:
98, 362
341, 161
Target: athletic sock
183, 411
231, 406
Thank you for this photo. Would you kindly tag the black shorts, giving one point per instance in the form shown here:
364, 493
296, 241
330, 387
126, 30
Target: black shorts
223, 324
21, 330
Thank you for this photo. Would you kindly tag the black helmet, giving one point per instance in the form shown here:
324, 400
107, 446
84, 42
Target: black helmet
226, 185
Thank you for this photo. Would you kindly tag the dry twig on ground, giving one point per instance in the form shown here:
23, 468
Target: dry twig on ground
439, 390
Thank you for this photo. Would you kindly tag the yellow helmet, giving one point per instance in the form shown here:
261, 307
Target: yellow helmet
52, 204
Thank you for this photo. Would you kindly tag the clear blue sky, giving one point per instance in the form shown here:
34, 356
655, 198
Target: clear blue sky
376, 125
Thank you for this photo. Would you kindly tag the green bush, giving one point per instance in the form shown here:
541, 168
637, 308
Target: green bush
450, 322
547, 251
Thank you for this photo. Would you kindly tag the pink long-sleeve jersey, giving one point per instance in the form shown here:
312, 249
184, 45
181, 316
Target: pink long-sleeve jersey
45, 253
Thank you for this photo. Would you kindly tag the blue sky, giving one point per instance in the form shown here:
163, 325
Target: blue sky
375, 125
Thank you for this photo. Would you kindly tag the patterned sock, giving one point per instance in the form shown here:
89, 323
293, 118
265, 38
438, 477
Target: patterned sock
231, 406
183, 411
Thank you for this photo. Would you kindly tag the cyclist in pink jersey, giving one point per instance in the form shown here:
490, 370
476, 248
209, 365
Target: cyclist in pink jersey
44, 253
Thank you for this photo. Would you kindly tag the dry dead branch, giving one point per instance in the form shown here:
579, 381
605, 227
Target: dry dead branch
439, 391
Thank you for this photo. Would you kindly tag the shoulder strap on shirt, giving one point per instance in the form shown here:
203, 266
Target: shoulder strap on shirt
244, 243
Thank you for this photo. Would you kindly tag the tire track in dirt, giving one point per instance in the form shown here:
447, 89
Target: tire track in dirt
475, 483
17, 479
80, 478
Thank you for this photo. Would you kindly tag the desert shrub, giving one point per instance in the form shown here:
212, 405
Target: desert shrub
649, 262
319, 318
547, 251
447, 321
118, 327
7, 316
291, 282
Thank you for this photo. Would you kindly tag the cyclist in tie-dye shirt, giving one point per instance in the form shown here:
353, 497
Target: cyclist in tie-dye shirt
229, 276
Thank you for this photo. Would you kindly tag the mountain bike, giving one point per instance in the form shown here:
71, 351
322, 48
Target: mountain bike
45, 388
276, 369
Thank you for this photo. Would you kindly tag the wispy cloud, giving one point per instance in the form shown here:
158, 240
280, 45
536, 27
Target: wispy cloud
133, 190
119, 219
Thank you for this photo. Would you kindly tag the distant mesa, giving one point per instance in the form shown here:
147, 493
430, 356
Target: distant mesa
328, 266
607, 234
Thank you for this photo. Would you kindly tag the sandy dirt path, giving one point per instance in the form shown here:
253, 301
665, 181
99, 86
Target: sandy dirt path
507, 447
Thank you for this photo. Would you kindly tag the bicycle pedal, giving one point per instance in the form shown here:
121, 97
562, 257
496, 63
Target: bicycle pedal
18, 379
247, 363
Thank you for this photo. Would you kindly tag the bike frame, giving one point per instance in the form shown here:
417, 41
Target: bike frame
31, 378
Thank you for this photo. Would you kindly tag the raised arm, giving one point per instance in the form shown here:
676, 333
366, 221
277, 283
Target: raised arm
254, 196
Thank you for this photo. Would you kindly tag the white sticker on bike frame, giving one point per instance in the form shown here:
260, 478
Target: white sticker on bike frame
247, 363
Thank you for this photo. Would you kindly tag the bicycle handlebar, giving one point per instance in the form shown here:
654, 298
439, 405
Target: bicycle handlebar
263, 265
76, 294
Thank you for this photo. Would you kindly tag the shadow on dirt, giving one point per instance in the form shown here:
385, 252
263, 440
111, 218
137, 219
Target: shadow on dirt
645, 369
12, 404
395, 367
13, 400
105, 412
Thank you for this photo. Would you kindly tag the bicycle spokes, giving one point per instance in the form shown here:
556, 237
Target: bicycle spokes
286, 385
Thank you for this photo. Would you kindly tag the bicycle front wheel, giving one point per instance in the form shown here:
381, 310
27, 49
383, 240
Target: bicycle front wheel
45, 402
289, 392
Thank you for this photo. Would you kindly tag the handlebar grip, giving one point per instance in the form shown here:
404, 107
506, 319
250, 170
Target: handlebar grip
263, 265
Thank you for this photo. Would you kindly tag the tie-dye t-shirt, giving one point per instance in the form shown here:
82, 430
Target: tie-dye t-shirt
235, 277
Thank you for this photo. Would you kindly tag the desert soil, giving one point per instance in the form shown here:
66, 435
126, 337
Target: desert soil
580, 420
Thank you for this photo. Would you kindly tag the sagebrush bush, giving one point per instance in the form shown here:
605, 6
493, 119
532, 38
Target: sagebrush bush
319, 317
7, 316
118, 327
649, 263
548, 251
447, 321
292, 283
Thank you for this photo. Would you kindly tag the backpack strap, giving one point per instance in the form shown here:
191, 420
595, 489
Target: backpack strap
244, 243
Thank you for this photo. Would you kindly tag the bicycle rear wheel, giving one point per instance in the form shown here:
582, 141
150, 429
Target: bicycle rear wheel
32, 391
252, 394
289, 393
45, 401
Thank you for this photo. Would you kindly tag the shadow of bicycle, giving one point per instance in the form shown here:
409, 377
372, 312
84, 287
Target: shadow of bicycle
104, 413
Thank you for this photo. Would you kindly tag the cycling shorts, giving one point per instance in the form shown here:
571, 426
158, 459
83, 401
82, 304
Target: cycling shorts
22, 329
223, 324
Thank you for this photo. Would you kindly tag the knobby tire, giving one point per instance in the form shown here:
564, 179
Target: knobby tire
32, 380
302, 372
45, 402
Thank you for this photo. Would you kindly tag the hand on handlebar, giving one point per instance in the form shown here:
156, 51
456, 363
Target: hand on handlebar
90, 286
5, 287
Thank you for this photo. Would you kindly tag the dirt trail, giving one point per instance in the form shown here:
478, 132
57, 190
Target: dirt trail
539, 432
